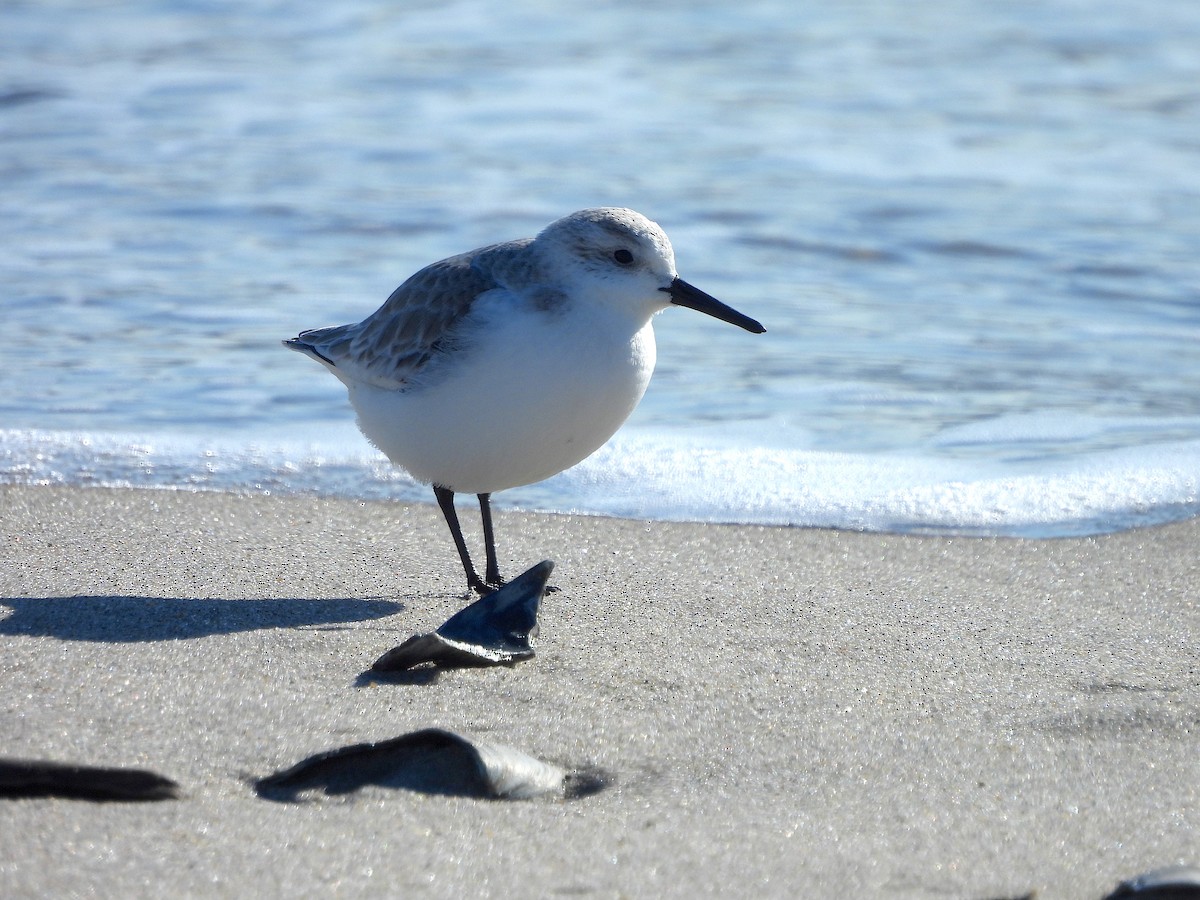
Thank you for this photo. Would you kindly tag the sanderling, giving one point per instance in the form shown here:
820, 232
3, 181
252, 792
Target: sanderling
508, 364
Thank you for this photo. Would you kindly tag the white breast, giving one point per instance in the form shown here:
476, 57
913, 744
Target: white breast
535, 394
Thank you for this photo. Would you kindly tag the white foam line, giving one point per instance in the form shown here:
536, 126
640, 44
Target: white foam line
668, 479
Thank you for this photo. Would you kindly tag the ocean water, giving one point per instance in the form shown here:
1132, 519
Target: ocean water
971, 228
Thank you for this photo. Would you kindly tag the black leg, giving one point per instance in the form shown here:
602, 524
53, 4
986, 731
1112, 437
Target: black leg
492, 575
445, 499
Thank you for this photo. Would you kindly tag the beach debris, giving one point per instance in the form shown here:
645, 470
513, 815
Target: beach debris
495, 630
431, 761
1170, 883
43, 778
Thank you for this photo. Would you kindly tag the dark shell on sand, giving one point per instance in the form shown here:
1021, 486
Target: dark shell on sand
1172, 883
497, 629
41, 778
431, 761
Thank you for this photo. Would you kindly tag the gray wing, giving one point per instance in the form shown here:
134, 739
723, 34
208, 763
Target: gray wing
416, 323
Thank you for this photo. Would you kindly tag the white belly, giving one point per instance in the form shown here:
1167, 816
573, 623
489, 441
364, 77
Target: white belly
533, 400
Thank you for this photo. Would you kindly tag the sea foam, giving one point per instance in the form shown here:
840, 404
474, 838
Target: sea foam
653, 477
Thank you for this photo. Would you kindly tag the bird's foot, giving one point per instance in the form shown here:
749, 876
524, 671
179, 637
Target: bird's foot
479, 586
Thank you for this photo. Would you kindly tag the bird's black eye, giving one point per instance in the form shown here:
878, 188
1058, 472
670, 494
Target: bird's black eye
623, 256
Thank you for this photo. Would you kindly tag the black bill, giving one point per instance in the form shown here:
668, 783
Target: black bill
683, 294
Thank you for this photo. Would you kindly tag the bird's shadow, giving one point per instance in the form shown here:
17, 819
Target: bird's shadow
117, 619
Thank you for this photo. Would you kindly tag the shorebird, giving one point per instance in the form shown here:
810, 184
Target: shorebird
508, 364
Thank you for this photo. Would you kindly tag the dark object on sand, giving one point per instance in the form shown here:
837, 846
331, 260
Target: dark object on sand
1172, 883
495, 630
40, 778
431, 761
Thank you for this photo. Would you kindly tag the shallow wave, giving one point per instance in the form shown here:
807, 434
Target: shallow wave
656, 477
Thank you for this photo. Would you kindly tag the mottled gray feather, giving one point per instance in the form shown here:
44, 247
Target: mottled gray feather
421, 319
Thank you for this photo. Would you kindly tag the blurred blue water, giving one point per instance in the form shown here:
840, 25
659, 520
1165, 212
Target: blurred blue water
972, 230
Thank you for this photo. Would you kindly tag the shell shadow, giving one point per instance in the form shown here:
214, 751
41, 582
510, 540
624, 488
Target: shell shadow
416, 677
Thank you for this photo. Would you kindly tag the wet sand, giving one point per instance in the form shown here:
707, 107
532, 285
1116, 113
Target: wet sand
783, 712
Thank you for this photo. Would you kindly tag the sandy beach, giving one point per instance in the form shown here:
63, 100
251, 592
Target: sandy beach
783, 712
